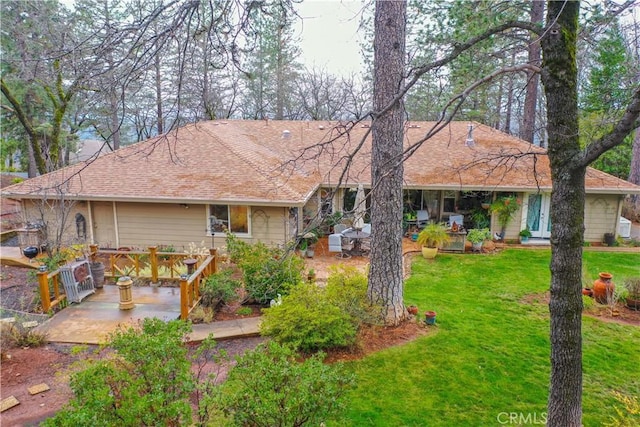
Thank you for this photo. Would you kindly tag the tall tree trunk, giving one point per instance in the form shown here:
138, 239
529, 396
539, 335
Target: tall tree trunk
531, 97
559, 76
496, 123
280, 77
509, 106
158, 81
32, 169
634, 173
385, 278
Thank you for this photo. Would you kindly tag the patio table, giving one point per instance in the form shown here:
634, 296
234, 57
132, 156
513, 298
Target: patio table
357, 236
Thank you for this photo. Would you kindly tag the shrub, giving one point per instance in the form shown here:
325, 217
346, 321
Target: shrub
268, 387
219, 288
347, 289
236, 248
268, 272
15, 335
308, 321
202, 314
148, 381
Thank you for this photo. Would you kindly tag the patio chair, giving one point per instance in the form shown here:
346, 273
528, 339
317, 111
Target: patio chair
422, 218
339, 228
336, 245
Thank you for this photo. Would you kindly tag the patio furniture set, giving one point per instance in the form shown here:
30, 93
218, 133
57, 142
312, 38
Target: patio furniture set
348, 242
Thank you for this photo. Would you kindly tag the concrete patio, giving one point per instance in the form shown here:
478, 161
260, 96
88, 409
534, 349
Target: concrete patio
93, 319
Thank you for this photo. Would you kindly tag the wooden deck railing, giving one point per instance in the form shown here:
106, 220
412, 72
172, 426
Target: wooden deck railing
138, 264
190, 285
147, 264
48, 282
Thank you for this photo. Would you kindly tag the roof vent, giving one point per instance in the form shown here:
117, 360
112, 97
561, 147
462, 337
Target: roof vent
321, 127
470, 142
286, 134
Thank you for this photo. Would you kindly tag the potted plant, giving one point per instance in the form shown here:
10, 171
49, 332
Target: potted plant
525, 235
431, 238
307, 244
430, 317
632, 285
504, 208
477, 236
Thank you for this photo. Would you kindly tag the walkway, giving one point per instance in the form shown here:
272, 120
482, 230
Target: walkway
91, 321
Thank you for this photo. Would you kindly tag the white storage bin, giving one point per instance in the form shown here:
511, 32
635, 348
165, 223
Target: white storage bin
624, 228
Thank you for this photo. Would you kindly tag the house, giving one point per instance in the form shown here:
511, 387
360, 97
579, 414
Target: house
270, 180
89, 149
10, 212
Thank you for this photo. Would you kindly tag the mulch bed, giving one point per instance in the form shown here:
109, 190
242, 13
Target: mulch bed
602, 312
375, 338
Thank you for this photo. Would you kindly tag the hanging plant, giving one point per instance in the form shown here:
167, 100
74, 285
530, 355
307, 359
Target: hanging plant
504, 208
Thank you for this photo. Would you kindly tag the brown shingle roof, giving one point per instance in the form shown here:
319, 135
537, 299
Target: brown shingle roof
264, 162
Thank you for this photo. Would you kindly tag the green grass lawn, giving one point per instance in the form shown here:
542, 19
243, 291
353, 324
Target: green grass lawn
489, 353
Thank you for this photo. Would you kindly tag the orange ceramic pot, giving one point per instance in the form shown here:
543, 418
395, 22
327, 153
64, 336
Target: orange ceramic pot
603, 287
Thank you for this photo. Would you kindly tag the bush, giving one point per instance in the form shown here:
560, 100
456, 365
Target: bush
148, 381
236, 248
219, 288
308, 321
268, 272
202, 314
15, 335
347, 289
268, 387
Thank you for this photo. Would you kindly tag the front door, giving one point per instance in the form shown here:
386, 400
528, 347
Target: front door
104, 229
538, 219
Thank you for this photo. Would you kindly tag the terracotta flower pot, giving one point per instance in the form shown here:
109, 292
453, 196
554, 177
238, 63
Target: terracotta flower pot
603, 287
412, 309
430, 317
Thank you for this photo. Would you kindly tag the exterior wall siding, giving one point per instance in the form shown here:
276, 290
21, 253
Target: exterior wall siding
34, 211
151, 224
269, 225
601, 216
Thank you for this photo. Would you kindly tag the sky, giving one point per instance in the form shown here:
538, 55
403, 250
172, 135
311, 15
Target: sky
329, 35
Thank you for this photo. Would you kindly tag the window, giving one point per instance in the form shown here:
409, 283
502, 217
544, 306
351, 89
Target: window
229, 217
349, 199
449, 202
326, 203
